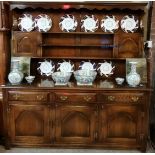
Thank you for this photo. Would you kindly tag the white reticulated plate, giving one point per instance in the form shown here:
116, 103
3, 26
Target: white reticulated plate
129, 23
43, 23
65, 66
109, 24
87, 66
106, 68
68, 23
89, 23
26, 23
46, 67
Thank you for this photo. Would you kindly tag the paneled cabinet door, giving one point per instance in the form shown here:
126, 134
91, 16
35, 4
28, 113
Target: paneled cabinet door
120, 124
29, 124
129, 45
75, 124
26, 44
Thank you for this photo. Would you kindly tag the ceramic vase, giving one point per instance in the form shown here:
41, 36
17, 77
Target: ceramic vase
133, 78
15, 76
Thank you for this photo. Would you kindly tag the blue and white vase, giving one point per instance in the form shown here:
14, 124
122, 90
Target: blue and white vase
15, 77
133, 78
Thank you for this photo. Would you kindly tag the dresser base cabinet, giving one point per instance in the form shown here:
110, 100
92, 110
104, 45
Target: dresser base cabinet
94, 120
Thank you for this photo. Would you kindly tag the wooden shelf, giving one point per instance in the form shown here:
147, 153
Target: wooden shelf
76, 33
80, 45
79, 33
72, 33
97, 85
80, 58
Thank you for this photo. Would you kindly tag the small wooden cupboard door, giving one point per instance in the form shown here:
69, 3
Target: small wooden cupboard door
75, 124
26, 44
120, 124
29, 124
128, 45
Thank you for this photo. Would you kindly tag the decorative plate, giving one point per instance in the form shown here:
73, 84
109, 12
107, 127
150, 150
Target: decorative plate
109, 24
106, 68
65, 66
43, 23
129, 23
68, 23
46, 67
89, 23
87, 65
26, 23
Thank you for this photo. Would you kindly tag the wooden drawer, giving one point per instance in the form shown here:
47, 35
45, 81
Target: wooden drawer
28, 96
76, 97
122, 98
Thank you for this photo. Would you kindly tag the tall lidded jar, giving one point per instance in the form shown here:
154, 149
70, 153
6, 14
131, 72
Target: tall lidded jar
15, 76
133, 78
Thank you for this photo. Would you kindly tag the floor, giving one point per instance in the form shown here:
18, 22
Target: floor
50, 150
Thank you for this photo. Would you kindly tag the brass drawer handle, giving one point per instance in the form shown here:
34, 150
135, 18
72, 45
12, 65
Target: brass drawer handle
111, 98
134, 98
16, 96
40, 97
87, 98
63, 98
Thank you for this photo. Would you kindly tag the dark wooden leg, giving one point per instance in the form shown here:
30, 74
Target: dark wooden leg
7, 145
143, 150
1, 140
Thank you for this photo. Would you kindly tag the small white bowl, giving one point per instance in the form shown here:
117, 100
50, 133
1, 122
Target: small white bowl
119, 80
29, 79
